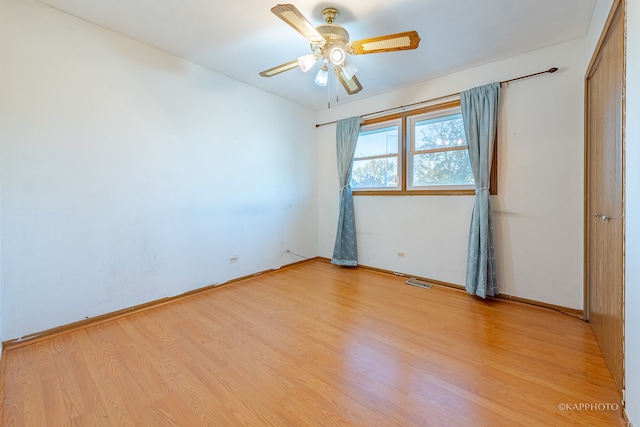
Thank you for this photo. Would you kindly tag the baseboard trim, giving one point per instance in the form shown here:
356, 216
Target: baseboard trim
565, 310
574, 312
50, 333
92, 321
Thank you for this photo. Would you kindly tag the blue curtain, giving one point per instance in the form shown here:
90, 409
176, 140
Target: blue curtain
479, 114
345, 251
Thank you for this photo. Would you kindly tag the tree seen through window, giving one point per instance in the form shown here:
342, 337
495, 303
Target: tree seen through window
440, 154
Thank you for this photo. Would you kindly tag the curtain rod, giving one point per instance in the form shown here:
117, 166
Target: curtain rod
550, 71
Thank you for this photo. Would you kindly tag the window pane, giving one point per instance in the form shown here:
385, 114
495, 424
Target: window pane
375, 173
377, 142
440, 132
443, 168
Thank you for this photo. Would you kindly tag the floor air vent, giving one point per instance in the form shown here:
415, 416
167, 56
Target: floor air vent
418, 283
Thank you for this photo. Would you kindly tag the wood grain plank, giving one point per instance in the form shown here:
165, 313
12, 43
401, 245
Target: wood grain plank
316, 345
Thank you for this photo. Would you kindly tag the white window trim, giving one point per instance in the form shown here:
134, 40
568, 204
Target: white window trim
381, 125
410, 124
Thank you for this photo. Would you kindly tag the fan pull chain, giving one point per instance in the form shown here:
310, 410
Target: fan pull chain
329, 92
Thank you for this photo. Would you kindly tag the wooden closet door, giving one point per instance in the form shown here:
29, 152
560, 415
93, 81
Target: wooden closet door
604, 191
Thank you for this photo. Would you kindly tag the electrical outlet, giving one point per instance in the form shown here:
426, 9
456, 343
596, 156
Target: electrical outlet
400, 254
233, 259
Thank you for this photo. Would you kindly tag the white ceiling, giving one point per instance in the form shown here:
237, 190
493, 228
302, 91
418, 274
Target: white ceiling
241, 38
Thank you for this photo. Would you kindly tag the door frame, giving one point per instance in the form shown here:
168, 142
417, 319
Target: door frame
618, 7
614, 9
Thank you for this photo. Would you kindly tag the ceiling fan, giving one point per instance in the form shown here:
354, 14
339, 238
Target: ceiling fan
330, 45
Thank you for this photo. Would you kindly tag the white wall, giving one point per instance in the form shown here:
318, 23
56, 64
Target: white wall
128, 174
632, 196
1, 144
538, 212
598, 20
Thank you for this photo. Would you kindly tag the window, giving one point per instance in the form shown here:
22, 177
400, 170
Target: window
438, 155
416, 152
376, 162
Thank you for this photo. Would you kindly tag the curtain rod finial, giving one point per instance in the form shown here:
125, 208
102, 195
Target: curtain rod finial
552, 70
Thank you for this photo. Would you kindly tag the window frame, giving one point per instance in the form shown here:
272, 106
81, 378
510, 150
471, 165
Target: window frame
397, 122
411, 121
404, 156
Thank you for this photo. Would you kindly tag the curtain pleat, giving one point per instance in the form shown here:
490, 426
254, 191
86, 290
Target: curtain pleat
480, 114
345, 251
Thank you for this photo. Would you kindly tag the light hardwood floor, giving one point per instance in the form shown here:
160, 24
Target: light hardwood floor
317, 345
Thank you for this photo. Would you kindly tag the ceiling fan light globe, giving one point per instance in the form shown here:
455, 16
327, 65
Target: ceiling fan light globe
307, 62
322, 77
349, 70
337, 55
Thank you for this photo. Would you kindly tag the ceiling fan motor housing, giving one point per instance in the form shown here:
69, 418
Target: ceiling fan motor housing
336, 37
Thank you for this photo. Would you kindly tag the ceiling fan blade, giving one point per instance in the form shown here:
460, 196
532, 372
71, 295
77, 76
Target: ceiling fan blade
280, 69
352, 85
389, 43
292, 16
